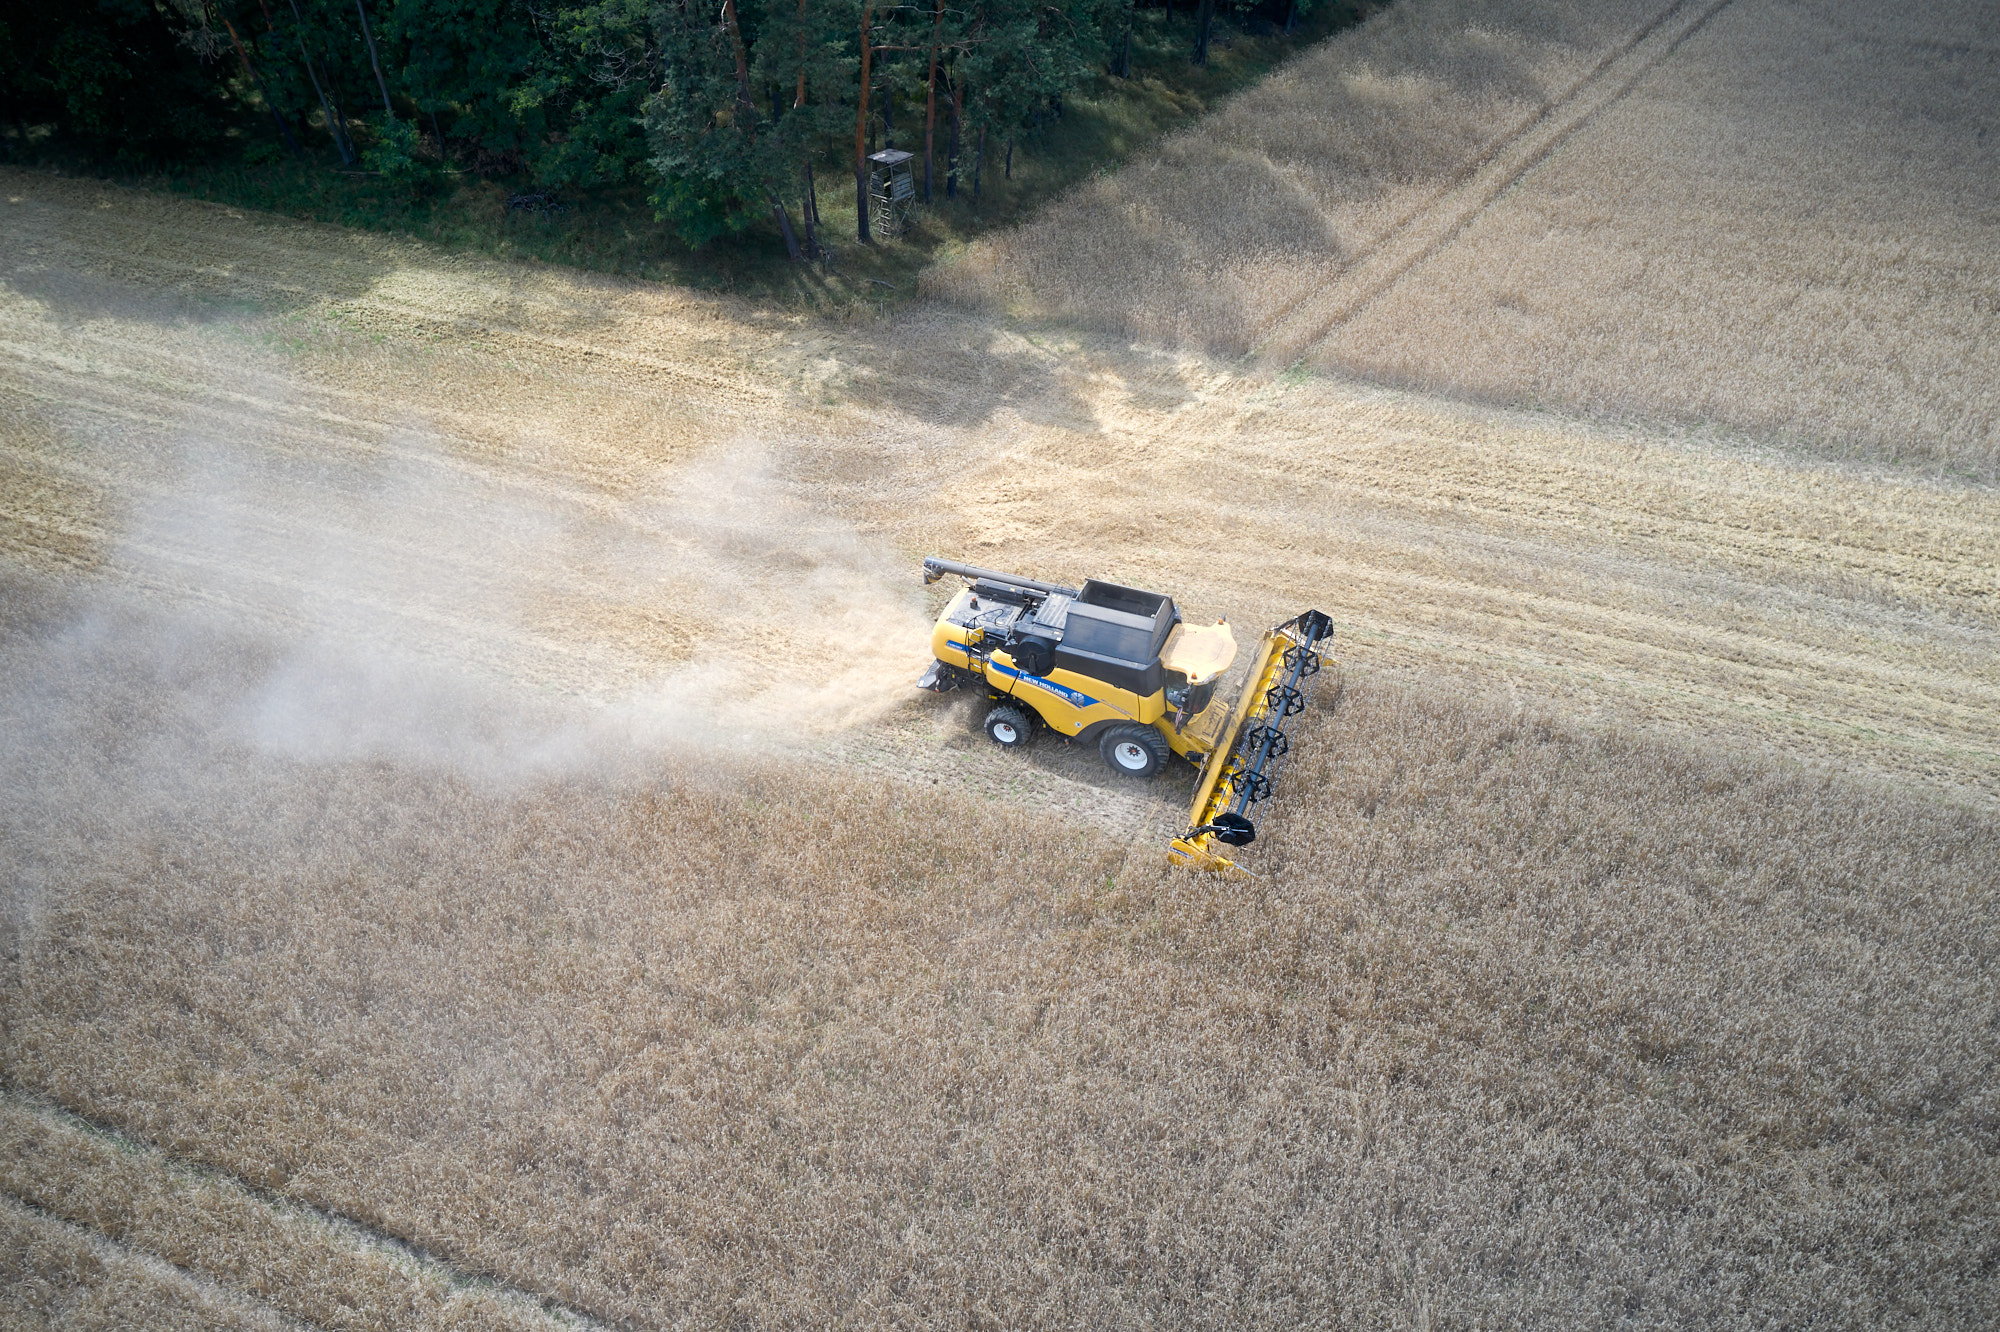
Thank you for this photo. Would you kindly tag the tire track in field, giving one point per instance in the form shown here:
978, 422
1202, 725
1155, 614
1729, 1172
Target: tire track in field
248, 1249
1423, 233
1767, 672
143, 1278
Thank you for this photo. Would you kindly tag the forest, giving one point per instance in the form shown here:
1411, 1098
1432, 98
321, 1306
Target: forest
721, 114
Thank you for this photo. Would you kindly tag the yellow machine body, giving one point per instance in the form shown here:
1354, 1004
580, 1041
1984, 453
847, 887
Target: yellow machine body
1071, 703
1106, 661
1212, 793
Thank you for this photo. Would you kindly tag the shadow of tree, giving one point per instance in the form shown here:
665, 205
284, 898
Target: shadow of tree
1209, 239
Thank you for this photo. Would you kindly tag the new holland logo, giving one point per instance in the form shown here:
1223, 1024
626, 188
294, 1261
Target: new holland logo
1071, 696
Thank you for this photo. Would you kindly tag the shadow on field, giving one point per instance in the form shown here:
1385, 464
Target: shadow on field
1068, 760
83, 250
77, 246
1207, 240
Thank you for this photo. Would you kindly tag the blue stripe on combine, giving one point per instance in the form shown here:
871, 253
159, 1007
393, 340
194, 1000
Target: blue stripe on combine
1064, 692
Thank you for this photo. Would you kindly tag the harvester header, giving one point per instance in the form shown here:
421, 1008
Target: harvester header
1118, 667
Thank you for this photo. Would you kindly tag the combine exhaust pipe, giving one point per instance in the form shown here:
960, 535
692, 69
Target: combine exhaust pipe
1242, 769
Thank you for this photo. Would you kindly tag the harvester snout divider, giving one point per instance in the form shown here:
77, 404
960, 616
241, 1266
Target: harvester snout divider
1119, 667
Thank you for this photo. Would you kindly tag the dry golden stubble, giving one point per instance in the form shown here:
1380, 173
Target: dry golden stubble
1529, 1023
572, 525
1780, 228
1774, 223
62, 1278
223, 1239
1522, 1022
1211, 240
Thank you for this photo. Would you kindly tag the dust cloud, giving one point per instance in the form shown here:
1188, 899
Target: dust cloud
406, 604
266, 611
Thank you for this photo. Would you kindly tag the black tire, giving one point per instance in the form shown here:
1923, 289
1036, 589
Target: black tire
1008, 727
1133, 750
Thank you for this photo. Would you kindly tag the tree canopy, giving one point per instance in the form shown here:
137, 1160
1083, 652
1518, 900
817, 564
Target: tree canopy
719, 108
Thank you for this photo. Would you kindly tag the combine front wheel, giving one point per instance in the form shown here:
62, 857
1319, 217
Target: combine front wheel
1008, 727
1136, 751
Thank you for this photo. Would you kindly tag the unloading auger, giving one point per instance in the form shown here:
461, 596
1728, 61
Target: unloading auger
1118, 667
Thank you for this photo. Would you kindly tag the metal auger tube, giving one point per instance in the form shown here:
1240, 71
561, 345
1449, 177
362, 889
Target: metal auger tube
935, 568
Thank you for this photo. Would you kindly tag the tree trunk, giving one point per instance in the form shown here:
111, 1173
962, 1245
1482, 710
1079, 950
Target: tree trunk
861, 131
1292, 18
1204, 20
978, 162
1010, 157
785, 228
800, 99
951, 156
336, 121
742, 64
301, 114
1121, 64
809, 211
285, 133
340, 114
809, 205
284, 130
333, 125
930, 100
375, 60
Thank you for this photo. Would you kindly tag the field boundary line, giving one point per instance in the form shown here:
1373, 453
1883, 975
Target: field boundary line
340, 1230
1478, 184
111, 1251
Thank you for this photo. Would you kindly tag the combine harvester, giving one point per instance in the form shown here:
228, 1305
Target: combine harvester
1118, 668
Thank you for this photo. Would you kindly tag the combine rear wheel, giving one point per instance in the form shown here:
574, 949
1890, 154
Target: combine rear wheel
1008, 727
1136, 751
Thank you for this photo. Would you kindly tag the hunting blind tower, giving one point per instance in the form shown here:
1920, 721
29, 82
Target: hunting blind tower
891, 192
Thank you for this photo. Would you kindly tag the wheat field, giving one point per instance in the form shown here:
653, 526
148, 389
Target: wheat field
1754, 216
1523, 1025
473, 857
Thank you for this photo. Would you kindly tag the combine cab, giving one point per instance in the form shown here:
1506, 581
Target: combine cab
1117, 667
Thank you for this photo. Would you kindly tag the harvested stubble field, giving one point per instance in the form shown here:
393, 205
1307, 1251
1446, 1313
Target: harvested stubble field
459, 785
1771, 216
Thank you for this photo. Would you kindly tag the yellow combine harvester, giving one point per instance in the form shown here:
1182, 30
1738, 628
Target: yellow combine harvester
1118, 667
